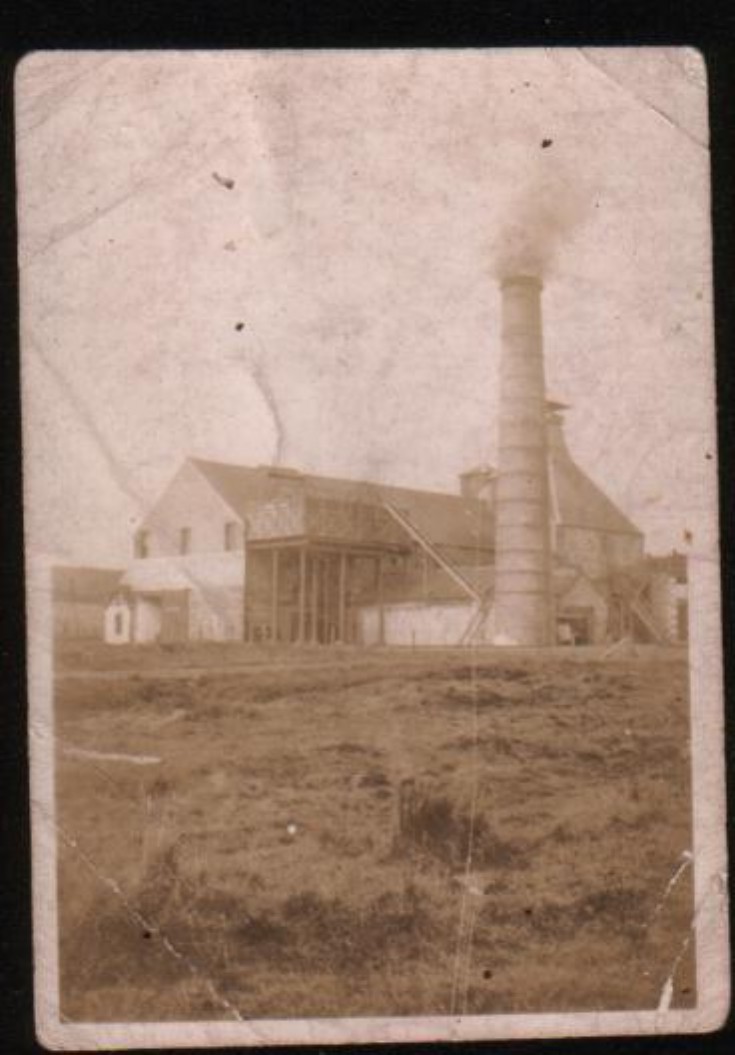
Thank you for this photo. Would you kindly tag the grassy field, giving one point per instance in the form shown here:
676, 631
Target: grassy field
342, 832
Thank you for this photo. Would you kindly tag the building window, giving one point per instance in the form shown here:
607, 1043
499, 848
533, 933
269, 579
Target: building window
230, 535
118, 623
141, 546
185, 540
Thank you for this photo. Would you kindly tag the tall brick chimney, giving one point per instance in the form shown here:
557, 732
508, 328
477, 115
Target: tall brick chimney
523, 598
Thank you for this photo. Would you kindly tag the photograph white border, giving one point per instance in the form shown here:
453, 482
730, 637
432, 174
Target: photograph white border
709, 930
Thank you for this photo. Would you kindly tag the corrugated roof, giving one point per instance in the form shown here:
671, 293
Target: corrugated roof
445, 519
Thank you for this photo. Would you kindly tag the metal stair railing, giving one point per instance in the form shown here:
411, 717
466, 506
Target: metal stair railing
645, 614
477, 619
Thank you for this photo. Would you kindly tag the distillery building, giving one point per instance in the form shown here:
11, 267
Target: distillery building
531, 553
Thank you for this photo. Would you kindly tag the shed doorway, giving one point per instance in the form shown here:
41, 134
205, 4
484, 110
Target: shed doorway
576, 626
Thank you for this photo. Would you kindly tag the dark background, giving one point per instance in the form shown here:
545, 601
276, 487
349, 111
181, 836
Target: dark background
27, 25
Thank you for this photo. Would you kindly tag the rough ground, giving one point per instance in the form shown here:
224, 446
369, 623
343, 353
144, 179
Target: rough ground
370, 833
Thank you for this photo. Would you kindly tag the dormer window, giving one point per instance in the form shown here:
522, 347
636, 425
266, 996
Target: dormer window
141, 544
184, 540
231, 538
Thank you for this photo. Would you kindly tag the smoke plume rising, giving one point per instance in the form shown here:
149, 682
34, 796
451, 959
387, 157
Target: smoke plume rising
542, 218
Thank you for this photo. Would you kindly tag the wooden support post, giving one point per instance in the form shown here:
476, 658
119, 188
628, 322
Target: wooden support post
342, 591
274, 596
381, 608
314, 598
245, 595
302, 595
322, 603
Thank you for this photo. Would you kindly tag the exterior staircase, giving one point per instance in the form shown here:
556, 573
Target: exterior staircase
479, 618
418, 536
642, 610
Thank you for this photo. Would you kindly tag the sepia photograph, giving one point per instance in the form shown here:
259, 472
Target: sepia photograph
371, 545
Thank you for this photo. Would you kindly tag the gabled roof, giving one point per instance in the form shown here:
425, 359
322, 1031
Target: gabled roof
580, 502
445, 519
238, 485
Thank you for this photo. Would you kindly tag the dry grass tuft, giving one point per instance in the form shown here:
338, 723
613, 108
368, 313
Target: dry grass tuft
303, 847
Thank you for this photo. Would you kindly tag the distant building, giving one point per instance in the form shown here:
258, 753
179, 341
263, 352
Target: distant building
80, 599
269, 554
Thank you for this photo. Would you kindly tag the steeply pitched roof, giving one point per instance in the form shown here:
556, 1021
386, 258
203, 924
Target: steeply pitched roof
580, 502
238, 485
445, 519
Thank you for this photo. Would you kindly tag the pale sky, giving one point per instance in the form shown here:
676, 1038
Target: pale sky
351, 210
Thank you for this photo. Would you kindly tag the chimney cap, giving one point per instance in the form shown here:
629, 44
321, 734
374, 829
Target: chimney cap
480, 470
555, 406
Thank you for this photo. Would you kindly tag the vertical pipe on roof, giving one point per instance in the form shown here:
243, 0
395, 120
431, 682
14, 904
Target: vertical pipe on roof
523, 602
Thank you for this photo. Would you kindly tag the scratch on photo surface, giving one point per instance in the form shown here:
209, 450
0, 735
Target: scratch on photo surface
646, 103
468, 912
717, 888
100, 770
685, 860
146, 925
111, 756
82, 409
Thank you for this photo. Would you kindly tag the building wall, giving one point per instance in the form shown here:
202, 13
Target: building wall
118, 623
215, 584
146, 619
193, 595
217, 614
669, 604
281, 517
79, 620
354, 521
194, 571
583, 598
597, 553
415, 623
189, 502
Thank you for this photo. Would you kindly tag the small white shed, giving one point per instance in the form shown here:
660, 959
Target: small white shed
119, 621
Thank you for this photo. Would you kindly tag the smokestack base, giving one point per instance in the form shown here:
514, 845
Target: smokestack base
521, 278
